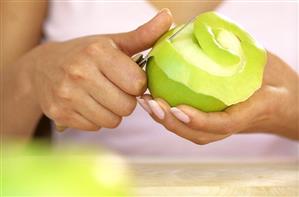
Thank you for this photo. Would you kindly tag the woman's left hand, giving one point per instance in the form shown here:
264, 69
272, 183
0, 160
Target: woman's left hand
272, 109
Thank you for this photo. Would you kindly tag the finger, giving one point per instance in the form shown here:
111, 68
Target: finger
215, 122
55, 108
146, 35
93, 111
62, 115
85, 72
196, 119
143, 102
72, 119
253, 111
177, 127
122, 71
107, 94
171, 122
232, 120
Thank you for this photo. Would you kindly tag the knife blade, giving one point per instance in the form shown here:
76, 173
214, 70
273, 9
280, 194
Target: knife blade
141, 61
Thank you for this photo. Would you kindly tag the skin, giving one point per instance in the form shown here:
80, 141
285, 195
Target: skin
85, 83
18, 38
184, 10
272, 109
59, 79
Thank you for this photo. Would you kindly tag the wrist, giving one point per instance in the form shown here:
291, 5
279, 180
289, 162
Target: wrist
279, 112
25, 82
285, 119
22, 110
29, 72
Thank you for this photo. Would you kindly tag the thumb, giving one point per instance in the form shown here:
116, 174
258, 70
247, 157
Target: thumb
144, 36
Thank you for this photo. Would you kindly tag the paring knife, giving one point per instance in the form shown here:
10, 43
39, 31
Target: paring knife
141, 61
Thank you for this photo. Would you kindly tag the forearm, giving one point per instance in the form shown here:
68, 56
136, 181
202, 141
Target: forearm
21, 31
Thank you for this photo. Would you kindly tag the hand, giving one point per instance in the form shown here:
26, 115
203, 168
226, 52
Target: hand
90, 82
272, 109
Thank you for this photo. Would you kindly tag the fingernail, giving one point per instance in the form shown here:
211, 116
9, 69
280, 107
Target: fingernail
144, 105
165, 10
180, 115
156, 109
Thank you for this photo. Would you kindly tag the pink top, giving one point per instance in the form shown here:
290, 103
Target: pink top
273, 24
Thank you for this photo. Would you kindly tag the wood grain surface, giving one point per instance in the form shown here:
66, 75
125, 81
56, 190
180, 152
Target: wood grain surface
170, 178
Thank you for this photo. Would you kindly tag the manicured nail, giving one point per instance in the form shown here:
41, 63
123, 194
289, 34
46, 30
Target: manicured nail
144, 105
180, 115
156, 108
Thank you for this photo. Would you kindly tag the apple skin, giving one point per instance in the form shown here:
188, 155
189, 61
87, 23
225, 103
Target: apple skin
178, 93
39, 171
175, 77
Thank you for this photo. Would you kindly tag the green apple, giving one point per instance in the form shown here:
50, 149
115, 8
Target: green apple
40, 172
211, 64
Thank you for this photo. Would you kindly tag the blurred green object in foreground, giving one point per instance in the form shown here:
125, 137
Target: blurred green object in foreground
41, 172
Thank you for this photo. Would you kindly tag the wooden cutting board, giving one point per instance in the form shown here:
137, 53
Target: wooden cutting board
168, 178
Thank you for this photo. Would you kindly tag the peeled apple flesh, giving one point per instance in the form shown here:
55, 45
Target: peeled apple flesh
211, 64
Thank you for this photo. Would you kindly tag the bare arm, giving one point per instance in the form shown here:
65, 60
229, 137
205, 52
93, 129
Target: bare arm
21, 30
21, 27
85, 83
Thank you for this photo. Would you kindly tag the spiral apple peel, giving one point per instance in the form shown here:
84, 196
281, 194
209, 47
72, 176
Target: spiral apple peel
210, 65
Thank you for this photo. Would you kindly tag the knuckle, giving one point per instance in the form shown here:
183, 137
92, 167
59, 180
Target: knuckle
92, 127
170, 125
63, 92
268, 110
143, 33
227, 127
139, 85
200, 141
57, 114
128, 107
199, 125
93, 48
53, 111
76, 71
114, 122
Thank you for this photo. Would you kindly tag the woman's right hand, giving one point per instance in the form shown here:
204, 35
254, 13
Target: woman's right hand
90, 82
